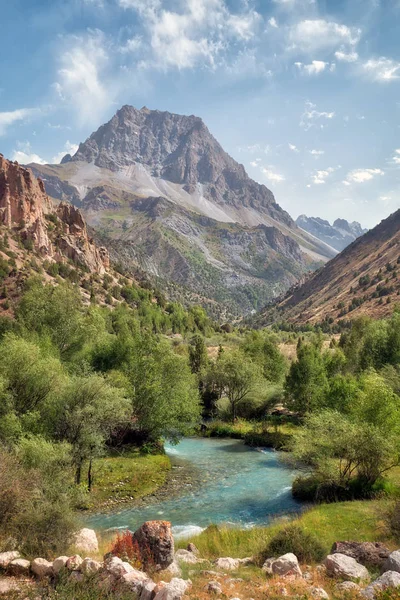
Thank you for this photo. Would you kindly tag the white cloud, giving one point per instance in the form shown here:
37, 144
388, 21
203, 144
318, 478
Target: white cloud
272, 175
396, 157
68, 149
24, 155
293, 148
349, 57
132, 45
382, 69
273, 22
311, 116
81, 77
317, 152
10, 118
318, 34
314, 68
320, 177
362, 175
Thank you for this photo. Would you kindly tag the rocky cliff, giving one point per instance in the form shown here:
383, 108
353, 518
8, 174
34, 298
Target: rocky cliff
338, 235
26, 209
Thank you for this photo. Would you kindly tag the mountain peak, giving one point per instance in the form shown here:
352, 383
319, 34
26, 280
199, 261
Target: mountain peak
338, 236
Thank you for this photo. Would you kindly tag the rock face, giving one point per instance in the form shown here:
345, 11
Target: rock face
371, 554
156, 544
389, 580
23, 204
340, 565
86, 540
338, 236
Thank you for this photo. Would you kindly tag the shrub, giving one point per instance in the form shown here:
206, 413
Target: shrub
125, 547
292, 538
392, 519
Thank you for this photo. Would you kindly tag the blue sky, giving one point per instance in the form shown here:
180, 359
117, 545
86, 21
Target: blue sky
304, 93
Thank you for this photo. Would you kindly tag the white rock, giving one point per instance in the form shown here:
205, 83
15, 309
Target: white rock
7, 557
117, 567
174, 590
59, 563
267, 566
346, 587
7, 587
19, 566
174, 569
134, 580
74, 562
187, 557
390, 579
90, 566
227, 564
147, 590
392, 563
286, 565
340, 565
319, 593
42, 567
214, 587
85, 540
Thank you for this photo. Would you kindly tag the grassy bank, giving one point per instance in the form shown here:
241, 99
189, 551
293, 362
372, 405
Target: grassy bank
254, 433
359, 521
126, 476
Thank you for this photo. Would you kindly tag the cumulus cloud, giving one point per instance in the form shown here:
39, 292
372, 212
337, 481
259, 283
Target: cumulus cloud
311, 116
273, 22
25, 155
320, 177
314, 68
318, 34
362, 175
315, 152
348, 57
68, 149
293, 148
272, 175
382, 69
396, 157
11, 117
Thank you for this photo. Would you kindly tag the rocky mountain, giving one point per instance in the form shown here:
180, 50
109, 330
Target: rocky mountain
363, 279
338, 235
163, 195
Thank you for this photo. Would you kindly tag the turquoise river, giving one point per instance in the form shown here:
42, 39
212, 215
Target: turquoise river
235, 485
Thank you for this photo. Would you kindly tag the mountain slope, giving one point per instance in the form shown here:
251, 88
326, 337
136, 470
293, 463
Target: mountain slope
363, 279
216, 232
338, 236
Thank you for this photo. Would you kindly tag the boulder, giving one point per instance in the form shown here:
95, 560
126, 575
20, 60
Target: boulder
267, 566
134, 581
341, 565
85, 540
19, 566
227, 563
389, 580
369, 554
174, 590
59, 563
7, 557
156, 544
319, 593
286, 565
187, 557
90, 566
74, 562
116, 567
147, 592
192, 548
214, 587
76, 577
392, 563
174, 569
42, 567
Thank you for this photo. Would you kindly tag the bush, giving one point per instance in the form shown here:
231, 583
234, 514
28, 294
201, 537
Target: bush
393, 520
293, 538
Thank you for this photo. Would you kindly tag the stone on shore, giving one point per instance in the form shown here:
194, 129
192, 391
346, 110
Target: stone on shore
7, 557
42, 568
286, 565
389, 580
59, 563
19, 567
392, 563
85, 540
371, 554
341, 565
156, 544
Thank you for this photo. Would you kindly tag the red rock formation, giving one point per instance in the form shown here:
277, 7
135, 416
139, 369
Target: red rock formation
23, 204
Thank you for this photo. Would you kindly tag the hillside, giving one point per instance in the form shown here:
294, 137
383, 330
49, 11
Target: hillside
363, 279
163, 194
338, 235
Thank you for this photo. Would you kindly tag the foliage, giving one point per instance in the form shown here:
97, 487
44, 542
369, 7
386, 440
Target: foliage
263, 350
293, 538
306, 383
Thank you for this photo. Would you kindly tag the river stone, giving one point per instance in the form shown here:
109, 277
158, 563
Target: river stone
227, 563
319, 593
286, 565
90, 566
340, 565
42, 567
371, 554
85, 540
7, 557
156, 544
174, 590
59, 563
19, 566
392, 563
390, 579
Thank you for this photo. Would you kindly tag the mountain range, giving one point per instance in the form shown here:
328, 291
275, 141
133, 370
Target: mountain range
338, 235
162, 194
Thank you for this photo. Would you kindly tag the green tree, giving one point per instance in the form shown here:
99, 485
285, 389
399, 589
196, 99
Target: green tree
306, 384
263, 350
198, 357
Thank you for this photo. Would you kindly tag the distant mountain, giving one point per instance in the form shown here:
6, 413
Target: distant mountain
363, 279
163, 194
338, 236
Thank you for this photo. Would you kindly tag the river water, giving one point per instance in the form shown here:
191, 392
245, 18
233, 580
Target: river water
235, 485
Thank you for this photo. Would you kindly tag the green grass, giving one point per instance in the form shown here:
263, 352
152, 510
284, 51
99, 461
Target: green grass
127, 476
358, 521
